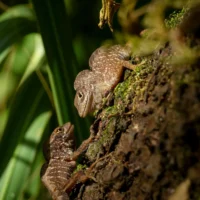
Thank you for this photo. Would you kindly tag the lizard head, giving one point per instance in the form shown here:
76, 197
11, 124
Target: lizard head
84, 98
84, 101
61, 135
64, 132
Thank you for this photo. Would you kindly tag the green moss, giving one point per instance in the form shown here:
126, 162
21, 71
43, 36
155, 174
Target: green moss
80, 167
107, 133
133, 84
175, 18
94, 149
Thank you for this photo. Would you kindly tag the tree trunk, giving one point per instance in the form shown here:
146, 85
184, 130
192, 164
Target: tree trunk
147, 135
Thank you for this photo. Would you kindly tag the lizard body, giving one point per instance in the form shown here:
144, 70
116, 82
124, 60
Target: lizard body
59, 167
106, 68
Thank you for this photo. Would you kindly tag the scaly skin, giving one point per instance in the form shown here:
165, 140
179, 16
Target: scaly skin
57, 174
59, 167
106, 68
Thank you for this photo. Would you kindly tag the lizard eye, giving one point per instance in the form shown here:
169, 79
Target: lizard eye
80, 95
59, 129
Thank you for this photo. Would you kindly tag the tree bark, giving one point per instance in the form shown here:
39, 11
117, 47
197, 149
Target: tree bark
147, 135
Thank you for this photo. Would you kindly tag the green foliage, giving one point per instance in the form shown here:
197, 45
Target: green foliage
35, 96
175, 18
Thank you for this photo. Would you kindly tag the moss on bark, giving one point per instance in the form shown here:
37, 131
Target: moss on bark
147, 135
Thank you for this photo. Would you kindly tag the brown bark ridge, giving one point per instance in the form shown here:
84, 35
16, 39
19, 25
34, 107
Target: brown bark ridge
146, 141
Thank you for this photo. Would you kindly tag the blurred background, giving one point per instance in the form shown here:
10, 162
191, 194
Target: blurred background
36, 83
43, 46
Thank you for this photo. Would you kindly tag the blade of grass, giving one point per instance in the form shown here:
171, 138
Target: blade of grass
55, 29
29, 102
14, 24
19, 167
24, 11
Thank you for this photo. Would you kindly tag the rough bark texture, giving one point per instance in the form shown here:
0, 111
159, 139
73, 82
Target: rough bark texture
147, 136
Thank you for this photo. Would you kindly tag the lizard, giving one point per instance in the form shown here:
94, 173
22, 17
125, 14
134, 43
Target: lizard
60, 152
106, 68
59, 163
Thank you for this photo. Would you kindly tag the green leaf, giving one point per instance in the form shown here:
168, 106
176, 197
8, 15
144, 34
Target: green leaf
17, 171
28, 104
32, 47
33, 183
14, 24
24, 11
23, 59
56, 33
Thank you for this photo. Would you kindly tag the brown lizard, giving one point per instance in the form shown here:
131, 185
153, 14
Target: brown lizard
106, 68
59, 167
60, 154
